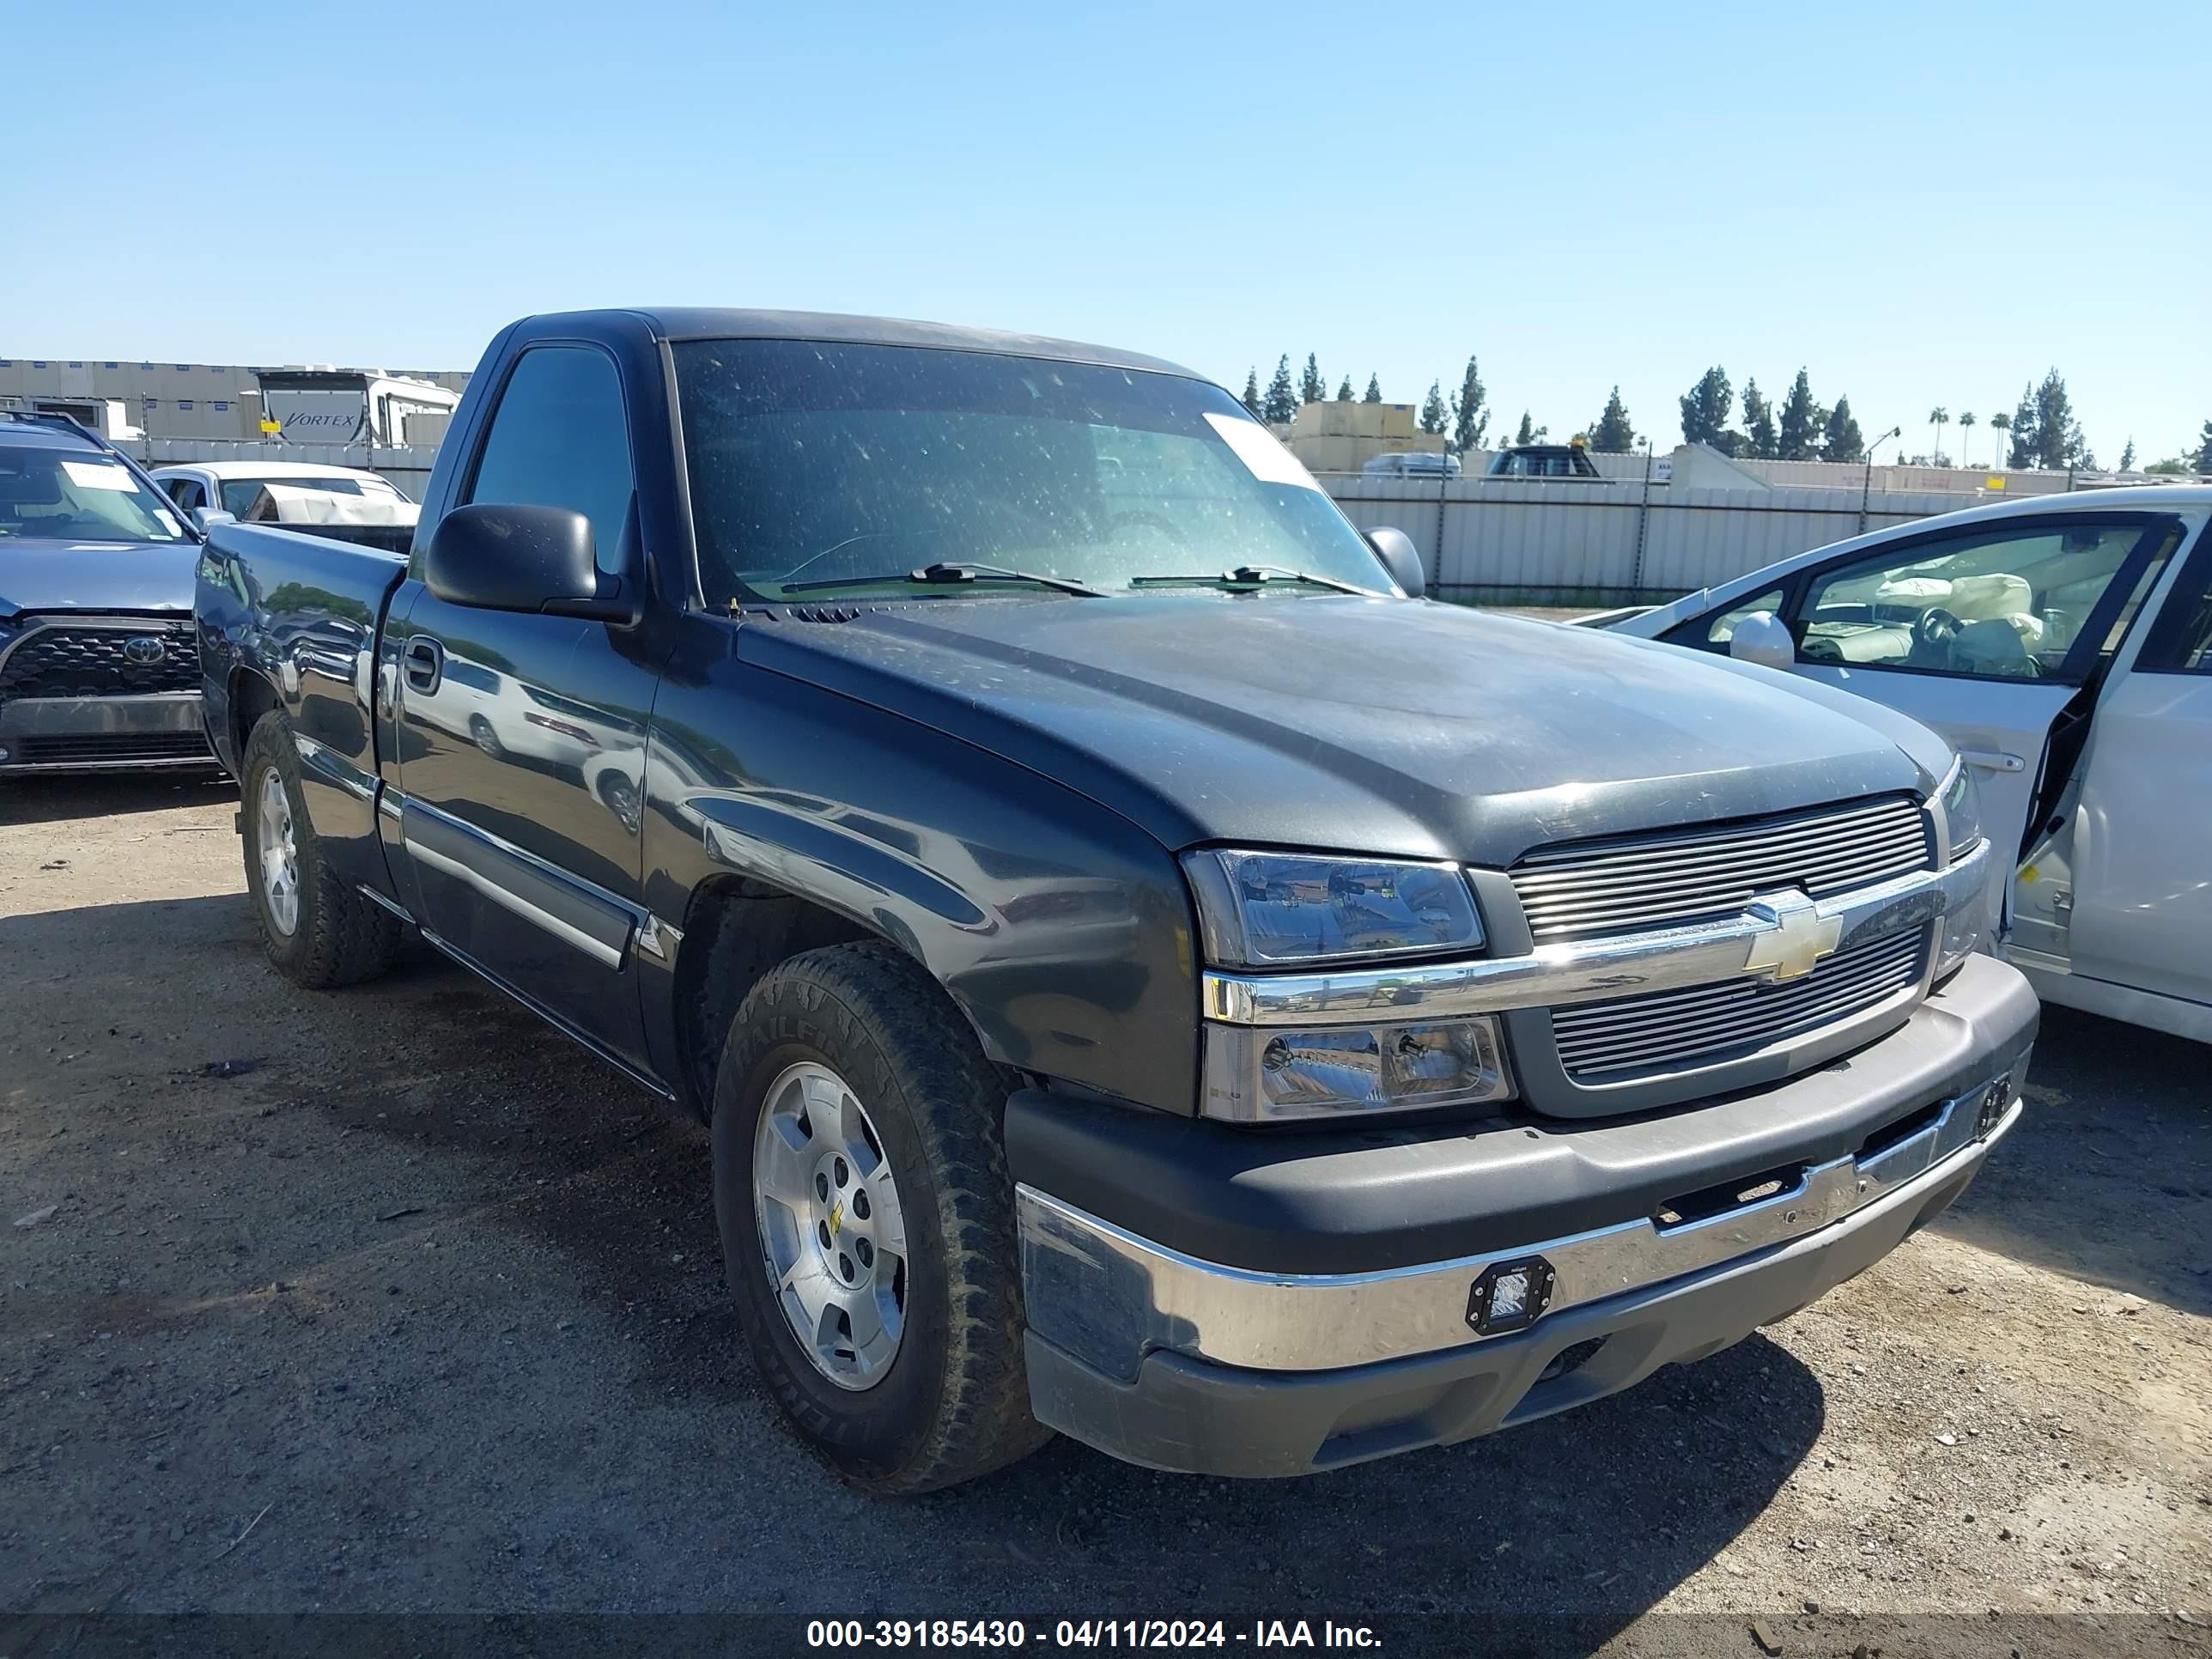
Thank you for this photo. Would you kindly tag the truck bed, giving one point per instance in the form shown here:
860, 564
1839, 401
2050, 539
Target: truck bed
303, 610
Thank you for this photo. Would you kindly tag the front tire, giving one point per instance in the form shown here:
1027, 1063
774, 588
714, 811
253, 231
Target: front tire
317, 929
855, 1116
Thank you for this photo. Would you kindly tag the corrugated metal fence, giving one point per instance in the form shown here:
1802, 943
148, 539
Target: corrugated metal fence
1609, 541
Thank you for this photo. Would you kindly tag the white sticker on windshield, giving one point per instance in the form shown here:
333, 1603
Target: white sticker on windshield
1263, 456
100, 475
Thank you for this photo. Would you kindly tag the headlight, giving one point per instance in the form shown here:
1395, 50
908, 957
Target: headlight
1265, 1075
1298, 911
1966, 927
1278, 909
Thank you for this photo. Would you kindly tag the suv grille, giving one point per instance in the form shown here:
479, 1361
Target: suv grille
61, 661
112, 748
1697, 875
1608, 1041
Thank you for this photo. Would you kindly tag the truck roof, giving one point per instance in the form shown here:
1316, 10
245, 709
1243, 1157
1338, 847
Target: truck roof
715, 323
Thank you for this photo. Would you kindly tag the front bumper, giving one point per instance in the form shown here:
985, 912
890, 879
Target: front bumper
96, 734
1174, 1361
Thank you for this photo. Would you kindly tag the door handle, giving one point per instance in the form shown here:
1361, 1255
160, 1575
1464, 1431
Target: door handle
424, 661
1993, 760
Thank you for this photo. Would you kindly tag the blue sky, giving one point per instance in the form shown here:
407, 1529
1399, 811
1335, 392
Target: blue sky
1922, 204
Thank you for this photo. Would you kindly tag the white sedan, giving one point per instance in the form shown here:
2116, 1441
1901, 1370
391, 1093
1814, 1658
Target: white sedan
2063, 645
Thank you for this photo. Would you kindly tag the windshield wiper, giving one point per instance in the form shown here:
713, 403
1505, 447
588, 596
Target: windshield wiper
1255, 576
945, 574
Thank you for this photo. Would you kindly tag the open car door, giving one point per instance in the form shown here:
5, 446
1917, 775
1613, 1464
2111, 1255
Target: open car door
1997, 634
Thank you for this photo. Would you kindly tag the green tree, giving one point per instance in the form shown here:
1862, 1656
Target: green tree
1613, 434
1843, 441
1529, 433
1311, 387
1760, 443
1344, 391
2204, 448
1374, 393
1799, 434
1434, 415
1966, 426
1999, 429
1282, 400
2057, 434
1706, 407
2174, 466
2128, 455
2027, 441
1939, 418
1251, 398
1470, 413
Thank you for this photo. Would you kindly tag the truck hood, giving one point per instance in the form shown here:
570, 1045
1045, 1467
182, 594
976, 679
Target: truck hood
1376, 726
38, 574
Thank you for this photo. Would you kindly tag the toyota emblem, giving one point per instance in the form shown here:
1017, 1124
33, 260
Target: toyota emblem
144, 650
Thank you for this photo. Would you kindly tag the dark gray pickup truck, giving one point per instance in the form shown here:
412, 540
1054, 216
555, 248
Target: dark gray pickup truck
1150, 974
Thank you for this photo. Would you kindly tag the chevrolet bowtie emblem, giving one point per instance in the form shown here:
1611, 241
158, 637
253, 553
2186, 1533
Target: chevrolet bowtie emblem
1801, 936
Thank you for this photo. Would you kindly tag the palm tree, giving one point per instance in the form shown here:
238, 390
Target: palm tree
1999, 422
1966, 426
1939, 418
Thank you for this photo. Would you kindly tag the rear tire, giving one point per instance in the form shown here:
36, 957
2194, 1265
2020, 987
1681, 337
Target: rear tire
947, 1400
315, 927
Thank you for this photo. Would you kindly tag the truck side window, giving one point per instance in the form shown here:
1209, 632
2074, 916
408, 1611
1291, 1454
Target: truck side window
560, 438
185, 493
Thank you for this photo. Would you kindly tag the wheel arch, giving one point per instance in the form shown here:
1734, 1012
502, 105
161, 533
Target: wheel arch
737, 928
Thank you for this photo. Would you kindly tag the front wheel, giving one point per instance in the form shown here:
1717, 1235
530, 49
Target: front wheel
867, 1220
315, 927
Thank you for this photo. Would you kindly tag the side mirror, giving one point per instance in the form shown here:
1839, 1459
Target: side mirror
500, 555
206, 518
1763, 637
1400, 557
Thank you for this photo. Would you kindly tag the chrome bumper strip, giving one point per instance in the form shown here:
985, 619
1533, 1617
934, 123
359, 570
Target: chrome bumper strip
1108, 1297
1754, 944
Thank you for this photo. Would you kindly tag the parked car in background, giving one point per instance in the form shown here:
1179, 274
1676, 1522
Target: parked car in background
2064, 644
1570, 460
1412, 463
99, 664
340, 501
1147, 975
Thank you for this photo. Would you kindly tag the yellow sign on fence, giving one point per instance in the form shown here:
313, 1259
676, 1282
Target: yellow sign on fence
1995, 481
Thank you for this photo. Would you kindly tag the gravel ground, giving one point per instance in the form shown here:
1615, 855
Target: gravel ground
390, 1301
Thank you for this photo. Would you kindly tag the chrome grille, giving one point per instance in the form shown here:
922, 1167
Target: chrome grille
1670, 1031
1586, 888
60, 661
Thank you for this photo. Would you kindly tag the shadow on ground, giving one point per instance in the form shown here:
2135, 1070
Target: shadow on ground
2108, 1177
1529, 1522
26, 799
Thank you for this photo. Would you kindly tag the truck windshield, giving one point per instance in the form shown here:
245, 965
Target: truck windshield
79, 495
813, 462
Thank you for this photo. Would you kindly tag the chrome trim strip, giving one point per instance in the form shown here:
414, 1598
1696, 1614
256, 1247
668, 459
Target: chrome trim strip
509, 900
336, 769
657, 939
1590, 970
1110, 1297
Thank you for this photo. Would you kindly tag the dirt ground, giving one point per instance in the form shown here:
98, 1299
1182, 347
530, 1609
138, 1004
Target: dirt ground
391, 1301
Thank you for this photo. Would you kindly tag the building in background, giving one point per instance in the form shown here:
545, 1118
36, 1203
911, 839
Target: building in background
121, 398
1344, 436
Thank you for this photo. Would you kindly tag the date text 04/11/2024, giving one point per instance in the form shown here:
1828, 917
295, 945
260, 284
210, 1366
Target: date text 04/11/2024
1085, 1633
